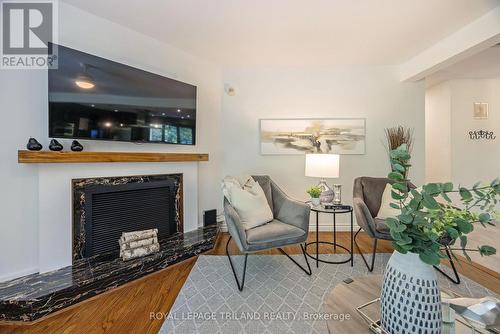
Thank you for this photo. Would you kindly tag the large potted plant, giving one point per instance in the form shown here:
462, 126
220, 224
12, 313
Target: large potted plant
429, 223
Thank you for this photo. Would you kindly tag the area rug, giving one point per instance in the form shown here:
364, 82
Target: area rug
278, 297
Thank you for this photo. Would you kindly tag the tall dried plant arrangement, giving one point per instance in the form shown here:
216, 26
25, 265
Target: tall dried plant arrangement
397, 136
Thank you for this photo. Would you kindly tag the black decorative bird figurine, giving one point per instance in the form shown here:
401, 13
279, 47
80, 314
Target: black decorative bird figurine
76, 146
55, 145
33, 145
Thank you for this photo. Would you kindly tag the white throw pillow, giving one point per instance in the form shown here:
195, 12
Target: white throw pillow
250, 204
386, 211
242, 182
246, 181
227, 184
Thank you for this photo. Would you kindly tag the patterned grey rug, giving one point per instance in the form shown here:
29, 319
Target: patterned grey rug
278, 297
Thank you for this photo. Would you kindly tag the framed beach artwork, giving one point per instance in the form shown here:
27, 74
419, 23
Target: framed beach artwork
300, 136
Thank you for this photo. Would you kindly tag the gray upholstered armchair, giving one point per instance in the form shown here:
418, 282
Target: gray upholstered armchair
367, 196
289, 226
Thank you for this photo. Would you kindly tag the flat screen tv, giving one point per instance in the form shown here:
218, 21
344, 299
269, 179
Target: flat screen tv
94, 98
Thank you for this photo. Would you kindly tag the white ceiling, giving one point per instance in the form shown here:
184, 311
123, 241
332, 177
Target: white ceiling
294, 32
484, 65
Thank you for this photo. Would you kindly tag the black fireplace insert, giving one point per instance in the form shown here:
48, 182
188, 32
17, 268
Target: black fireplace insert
104, 208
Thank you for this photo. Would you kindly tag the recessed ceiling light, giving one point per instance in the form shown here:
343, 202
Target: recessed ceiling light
163, 114
107, 124
121, 124
182, 117
188, 116
178, 110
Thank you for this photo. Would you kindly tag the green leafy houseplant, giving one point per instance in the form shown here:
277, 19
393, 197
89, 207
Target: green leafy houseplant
314, 192
426, 223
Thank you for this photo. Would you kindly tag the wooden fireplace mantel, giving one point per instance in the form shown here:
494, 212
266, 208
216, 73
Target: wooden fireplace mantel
24, 156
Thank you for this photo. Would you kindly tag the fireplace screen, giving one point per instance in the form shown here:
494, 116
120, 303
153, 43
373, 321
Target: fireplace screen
109, 209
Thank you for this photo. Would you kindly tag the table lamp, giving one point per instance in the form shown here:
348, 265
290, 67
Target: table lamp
324, 166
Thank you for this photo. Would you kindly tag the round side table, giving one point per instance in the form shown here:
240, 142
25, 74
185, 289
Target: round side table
334, 212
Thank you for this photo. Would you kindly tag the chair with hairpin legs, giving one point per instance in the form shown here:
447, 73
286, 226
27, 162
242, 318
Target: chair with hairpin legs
290, 226
367, 195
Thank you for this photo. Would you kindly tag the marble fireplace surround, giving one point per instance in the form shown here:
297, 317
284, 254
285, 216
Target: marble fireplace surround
79, 187
61, 281
55, 202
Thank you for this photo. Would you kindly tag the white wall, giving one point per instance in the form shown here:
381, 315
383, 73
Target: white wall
374, 93
21, 93
438, 133
474, 160
465, 161
24, 99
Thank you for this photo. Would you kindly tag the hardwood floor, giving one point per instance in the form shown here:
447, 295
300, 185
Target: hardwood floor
127, 309
122, 310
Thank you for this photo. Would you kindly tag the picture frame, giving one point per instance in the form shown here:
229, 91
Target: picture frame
295, 136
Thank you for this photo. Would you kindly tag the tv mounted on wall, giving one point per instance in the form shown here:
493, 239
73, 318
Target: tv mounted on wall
94, 98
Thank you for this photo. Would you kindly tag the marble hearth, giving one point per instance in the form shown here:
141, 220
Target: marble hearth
31, 297
102, 209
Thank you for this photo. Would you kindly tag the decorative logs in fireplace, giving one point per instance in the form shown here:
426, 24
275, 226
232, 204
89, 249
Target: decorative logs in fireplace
138, 243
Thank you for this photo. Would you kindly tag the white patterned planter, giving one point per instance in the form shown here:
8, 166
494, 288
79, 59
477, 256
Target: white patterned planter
410, 300
315, 201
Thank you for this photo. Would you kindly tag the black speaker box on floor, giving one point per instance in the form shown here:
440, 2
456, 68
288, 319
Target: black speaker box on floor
210, 217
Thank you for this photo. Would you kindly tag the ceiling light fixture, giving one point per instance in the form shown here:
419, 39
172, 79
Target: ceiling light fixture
178, 110
85, 81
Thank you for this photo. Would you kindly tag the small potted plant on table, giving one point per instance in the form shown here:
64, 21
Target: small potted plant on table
314, 192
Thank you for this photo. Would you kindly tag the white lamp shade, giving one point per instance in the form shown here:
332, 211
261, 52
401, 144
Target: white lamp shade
323, 165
